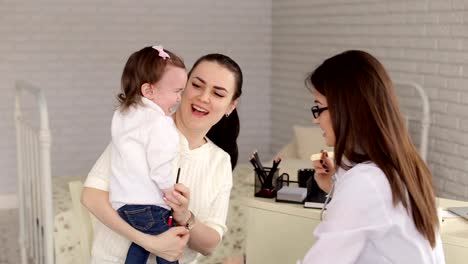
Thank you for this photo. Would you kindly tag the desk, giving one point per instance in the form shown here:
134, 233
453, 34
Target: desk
454, 234
293, 225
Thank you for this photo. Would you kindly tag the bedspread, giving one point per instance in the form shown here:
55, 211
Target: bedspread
66, 233
233, 243
66, 239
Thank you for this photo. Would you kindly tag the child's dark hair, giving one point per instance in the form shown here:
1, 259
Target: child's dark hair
224, 133
143, 66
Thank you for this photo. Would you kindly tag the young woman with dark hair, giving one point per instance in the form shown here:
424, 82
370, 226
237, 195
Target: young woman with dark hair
224, 133
383, 208
202, 195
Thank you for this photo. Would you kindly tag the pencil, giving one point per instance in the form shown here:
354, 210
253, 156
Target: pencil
169, 221
178, 174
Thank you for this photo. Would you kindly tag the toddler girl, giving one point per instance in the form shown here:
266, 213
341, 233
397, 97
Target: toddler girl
145, 142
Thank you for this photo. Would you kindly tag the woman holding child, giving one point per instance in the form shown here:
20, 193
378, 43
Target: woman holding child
200, 200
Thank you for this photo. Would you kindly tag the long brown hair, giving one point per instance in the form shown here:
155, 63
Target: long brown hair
369, 126
143, 66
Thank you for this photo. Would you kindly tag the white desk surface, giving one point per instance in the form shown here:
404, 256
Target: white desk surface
280, 207
454, 230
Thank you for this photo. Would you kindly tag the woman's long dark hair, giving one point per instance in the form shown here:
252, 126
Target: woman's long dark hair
369, 126
224, 133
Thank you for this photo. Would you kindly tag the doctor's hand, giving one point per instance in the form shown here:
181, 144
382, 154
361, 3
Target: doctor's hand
324, 170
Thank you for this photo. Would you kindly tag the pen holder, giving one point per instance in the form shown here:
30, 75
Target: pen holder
264, 185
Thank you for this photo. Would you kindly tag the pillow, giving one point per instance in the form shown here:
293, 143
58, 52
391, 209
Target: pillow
309, 140
291, 166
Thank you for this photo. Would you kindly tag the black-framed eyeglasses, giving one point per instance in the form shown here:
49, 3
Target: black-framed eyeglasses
316, 110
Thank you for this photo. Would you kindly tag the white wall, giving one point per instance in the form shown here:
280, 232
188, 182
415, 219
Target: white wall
76, 50
422, 41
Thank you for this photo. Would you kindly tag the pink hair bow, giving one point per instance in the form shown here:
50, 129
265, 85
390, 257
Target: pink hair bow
161, 51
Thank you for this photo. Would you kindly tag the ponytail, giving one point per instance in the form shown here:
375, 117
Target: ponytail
224, 134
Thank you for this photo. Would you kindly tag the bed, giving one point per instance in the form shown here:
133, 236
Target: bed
33, 142
46, 235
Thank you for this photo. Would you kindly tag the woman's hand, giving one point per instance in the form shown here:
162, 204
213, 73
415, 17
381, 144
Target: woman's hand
179, 203
168, 245
324, 170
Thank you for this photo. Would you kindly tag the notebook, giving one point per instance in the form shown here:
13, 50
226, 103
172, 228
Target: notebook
315, 200
461, 211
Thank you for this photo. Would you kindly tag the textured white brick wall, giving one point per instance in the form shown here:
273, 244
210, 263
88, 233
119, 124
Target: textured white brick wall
76, 50
425, 41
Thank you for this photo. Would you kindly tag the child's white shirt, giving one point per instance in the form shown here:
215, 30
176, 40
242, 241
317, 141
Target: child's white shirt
145, 142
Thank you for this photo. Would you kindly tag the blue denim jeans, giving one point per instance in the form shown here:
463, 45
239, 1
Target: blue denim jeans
149, 219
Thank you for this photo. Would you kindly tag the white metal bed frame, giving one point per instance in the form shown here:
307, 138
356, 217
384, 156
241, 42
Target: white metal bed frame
424, 119
34, 180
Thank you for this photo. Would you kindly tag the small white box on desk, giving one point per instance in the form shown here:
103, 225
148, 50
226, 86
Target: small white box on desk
291, 194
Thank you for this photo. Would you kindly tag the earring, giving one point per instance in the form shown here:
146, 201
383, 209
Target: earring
227, 115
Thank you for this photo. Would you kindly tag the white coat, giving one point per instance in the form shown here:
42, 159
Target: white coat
361, 225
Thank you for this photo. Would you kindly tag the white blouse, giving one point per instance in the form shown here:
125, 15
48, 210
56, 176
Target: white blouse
361, 225
145, 142
206, 171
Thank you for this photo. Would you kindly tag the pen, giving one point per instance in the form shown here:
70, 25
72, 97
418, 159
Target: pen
269, 179
257, 159
260, 177
260, 174
259, 164
259, 169
254, 164
169, 221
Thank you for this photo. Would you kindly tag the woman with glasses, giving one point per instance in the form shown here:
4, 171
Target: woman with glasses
383, 207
